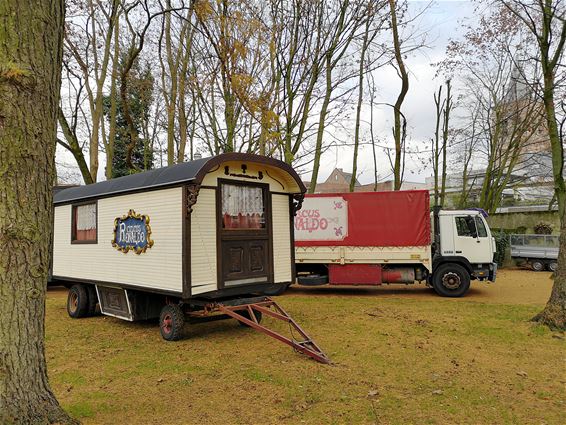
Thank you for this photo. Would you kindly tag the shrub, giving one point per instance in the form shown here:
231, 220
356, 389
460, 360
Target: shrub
543, 229
501, 243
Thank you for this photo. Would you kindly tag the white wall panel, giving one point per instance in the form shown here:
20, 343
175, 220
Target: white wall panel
203, 242
160, 267
281, 238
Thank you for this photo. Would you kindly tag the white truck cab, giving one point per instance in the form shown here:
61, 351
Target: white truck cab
462, 237
467, 234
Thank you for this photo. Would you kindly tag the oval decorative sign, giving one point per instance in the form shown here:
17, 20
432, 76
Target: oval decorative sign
132, 233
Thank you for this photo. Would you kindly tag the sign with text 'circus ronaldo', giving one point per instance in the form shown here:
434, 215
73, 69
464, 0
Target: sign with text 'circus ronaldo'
322, 219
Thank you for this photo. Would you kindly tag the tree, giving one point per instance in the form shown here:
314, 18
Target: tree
440, 147
399, 131
90, 55
139, 99
501, 105
368, 37
30, 78
546, 21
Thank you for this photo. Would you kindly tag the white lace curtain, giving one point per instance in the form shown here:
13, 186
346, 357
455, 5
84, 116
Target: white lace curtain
241, 199
242, 206
85, 222
86, 217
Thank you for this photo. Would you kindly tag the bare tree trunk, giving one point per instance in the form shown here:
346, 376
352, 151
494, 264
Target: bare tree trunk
436, 143
30, 78
321, 125
554, 314
445, 128
113, 104
398, 129
365, 44
371, 84
74, 147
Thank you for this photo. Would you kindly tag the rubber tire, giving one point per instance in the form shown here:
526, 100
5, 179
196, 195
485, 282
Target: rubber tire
174, 313
274, 292
443, 290
537, 265
247, 315
79, 291
551, 266
92, 300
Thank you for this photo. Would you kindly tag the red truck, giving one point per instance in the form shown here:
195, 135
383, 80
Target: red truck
372, 238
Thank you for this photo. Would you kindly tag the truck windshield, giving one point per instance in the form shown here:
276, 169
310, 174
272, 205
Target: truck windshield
482, 231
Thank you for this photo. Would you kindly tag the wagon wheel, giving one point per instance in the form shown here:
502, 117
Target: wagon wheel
77, 301
171, 322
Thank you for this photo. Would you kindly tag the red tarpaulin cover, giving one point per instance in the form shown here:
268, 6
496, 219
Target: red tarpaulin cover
399, 218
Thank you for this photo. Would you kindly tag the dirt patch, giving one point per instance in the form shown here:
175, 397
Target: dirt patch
400, 356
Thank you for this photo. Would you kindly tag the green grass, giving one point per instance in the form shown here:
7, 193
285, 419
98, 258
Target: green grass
391, 355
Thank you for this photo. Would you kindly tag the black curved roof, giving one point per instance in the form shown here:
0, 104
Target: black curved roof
192, 171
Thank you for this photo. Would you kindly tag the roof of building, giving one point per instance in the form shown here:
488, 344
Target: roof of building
192, 171
347, 176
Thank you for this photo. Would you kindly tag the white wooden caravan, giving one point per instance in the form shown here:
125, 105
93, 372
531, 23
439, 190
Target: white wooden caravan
164, 241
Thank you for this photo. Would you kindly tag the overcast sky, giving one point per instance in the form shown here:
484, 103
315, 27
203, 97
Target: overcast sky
440, 20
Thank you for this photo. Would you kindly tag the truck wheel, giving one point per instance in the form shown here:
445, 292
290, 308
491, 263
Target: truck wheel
552, 266
247, 315
92, 300
537, 265
451, 280
77, 301
171, 321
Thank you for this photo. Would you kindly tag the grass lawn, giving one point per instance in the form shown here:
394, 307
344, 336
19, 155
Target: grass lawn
400, 355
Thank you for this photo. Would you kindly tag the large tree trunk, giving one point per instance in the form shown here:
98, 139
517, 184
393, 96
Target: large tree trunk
554, 314
30, 76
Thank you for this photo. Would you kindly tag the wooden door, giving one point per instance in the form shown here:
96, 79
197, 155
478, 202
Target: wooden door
245, 234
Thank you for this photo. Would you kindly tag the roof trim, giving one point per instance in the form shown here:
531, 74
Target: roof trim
192, 171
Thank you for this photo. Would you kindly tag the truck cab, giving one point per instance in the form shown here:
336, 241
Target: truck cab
462, 238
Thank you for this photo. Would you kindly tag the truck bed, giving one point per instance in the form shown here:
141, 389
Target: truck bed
534, 246
364, 219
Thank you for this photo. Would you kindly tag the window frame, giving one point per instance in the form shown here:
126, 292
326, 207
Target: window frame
479, 220
74, 240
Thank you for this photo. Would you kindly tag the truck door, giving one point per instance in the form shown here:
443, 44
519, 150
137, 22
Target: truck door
245, 230
471, 239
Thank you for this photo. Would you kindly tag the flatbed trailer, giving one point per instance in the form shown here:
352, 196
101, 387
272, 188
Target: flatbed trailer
539, 251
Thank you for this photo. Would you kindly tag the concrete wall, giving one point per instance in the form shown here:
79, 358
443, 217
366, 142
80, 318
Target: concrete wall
513, 222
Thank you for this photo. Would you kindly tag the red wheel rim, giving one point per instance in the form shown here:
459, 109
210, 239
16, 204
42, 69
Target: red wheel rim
167, 324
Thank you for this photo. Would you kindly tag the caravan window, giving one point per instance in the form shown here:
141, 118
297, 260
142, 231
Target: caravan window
242, 207
84, 223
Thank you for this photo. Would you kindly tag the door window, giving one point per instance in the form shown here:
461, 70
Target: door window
242, 207
465, 226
